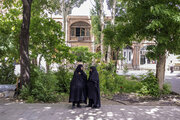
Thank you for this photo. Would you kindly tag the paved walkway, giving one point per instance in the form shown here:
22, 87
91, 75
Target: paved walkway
16, 111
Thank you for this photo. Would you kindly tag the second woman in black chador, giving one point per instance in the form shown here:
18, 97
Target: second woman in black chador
78, 87
93, 89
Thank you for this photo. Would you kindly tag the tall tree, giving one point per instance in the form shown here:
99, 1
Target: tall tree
102, 28
24, 43
112, 8
96, 23
158, 21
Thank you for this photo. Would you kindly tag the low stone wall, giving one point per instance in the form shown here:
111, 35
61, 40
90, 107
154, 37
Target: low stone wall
7, 90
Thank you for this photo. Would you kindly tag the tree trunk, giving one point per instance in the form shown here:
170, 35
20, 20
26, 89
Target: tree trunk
34, 61
121, 53
117, 56
113, 13
109, 54
102, 28
40, 58
47, 67
24, 44
65, 11
160, 70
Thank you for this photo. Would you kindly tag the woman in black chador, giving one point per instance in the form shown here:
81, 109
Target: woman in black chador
93, 89
78, 87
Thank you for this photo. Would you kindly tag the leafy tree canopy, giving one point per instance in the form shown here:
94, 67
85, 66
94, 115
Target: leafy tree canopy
156, 20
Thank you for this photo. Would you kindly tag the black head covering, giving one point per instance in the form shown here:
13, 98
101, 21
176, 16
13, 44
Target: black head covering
94, 74
78, 69
93, 69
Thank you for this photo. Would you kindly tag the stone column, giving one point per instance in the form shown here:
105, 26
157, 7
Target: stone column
136, 57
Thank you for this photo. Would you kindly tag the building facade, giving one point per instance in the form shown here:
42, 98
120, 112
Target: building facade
78, 30
78, 33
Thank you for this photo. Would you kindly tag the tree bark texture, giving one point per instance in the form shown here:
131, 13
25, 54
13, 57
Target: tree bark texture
102, 28
24, 44
160, 70
109, 54
117, 57
113, 13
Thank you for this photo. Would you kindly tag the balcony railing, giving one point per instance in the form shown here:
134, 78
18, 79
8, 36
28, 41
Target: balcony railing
80, 38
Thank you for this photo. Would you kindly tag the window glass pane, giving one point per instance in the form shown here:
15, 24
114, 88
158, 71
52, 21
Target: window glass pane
125, 54
77, 32
143, 59
148, 61
129, 56
72, 32
82, 31
87, 32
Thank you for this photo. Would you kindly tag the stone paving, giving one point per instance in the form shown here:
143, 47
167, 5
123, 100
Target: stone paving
63, 111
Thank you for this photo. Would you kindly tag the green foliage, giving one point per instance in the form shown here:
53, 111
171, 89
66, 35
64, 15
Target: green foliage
109, 35
133, 77
96, 21
178, 57
46, 36
64, 77
150, 86
166, 89
152, 52
111, 83
9, 34
125, 69
110, 67
47, 87
7, 75
82, 54
30, 99
43, 87
152, 20
156, 20
96, 28
45, 33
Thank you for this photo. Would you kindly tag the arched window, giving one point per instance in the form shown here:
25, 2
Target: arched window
80, 29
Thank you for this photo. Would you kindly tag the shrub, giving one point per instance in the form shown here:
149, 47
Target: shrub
112, 83
82, 54
133, 77
151, 87
166, 89
43, 87
30, 99
47, 87
125, 70
64, 77
7, 75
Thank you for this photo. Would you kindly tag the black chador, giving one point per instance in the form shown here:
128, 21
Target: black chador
93, 88
78, 87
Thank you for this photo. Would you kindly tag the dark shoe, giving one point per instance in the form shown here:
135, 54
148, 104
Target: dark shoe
95, 107
78, 105
73, 105
89, 106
